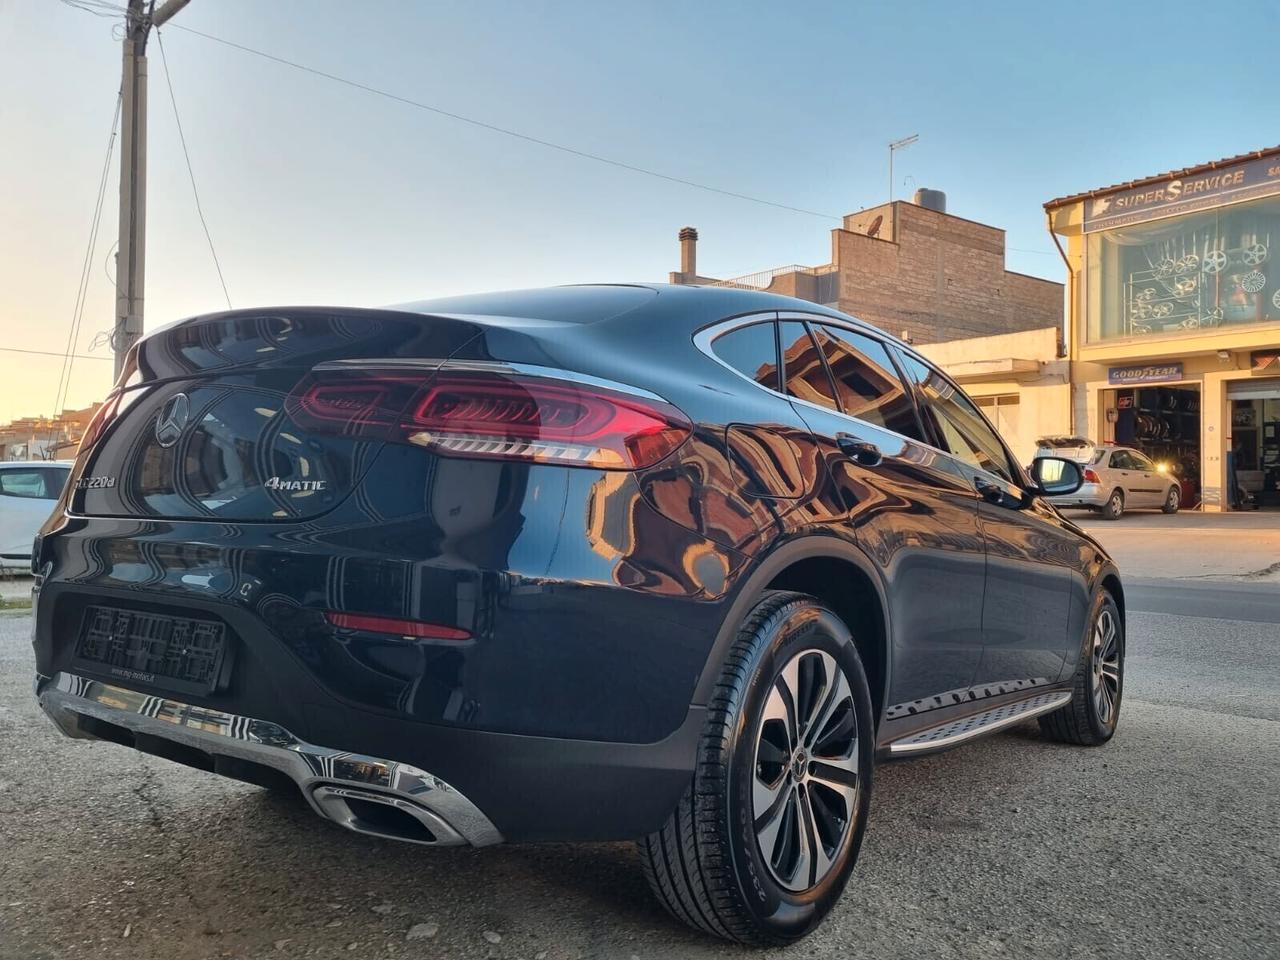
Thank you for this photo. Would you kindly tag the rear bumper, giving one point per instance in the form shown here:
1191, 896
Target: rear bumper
1089, 495
359, 792
517, 788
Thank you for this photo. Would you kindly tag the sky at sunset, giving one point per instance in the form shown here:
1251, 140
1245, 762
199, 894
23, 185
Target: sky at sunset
316, 192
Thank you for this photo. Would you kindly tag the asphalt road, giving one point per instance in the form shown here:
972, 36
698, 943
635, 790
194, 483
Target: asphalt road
1164, 843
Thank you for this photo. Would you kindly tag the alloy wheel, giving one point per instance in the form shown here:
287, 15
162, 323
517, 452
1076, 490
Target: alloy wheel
1117, 504
805, 777
1106, 667
1172, 500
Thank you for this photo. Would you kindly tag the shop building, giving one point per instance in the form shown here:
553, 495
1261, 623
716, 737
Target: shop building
1173, 328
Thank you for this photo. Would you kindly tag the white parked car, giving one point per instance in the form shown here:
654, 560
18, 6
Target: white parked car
28, 492
1116, 479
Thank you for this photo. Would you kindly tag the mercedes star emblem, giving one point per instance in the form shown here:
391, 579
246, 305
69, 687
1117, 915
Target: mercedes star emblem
172, 420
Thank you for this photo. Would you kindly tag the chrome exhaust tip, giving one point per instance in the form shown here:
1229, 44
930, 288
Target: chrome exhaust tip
383, 815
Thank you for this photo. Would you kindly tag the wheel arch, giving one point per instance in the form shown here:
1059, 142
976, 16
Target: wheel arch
1110, 582
840, 575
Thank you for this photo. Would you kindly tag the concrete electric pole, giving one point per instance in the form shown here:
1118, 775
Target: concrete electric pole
131, 259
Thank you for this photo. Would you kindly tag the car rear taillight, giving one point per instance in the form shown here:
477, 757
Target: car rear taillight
1090, 476
492, 414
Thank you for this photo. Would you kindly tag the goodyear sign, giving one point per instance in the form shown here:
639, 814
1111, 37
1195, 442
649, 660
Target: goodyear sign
1246, 180
1151, 373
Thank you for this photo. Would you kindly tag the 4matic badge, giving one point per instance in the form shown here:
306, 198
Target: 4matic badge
275, 483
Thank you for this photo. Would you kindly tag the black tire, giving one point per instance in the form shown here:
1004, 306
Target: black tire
1114, 508
1082, 721
706, 864
1172, 500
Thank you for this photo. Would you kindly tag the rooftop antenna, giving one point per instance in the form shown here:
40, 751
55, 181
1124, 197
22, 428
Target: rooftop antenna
895, 146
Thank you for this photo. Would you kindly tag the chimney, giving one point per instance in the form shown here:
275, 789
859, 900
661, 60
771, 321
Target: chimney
689, 253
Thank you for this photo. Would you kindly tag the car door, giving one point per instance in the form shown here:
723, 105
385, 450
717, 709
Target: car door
1148, 480
1121, 473
911, 510
1026, 609
25, 504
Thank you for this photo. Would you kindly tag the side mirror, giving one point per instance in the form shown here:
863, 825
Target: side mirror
1055, 476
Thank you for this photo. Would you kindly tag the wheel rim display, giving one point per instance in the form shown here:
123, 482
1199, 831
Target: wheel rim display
1106, 667
805, 784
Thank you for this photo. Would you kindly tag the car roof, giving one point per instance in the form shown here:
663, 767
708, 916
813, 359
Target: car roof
608, 303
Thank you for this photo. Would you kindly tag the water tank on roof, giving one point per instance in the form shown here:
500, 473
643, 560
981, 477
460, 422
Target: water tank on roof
930, 199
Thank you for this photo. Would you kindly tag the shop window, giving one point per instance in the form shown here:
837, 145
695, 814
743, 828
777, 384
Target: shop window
1197, 272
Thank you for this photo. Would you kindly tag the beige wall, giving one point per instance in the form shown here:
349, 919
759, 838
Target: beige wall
1024, 363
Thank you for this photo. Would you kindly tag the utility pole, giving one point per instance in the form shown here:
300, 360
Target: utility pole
894, 147
131, 258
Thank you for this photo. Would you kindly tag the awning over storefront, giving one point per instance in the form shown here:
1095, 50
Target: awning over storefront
1006, 368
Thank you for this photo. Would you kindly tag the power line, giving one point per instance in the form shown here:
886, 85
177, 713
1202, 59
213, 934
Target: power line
68, 355
53, 353
494, 128
505, 131
164, 62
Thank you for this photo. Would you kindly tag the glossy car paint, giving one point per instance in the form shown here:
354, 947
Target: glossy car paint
599, 603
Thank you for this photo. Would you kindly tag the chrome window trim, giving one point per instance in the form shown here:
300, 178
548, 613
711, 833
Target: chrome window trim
704, 338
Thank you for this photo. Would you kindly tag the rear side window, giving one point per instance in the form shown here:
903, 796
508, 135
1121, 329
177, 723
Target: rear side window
803, 368
867, 383
752, 351
29, 484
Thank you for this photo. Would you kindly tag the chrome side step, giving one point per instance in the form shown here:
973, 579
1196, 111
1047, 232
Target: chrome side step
979, 724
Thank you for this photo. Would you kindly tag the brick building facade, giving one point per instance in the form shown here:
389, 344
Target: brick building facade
911, 271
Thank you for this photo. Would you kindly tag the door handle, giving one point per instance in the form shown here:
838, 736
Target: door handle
990, 492
859, 451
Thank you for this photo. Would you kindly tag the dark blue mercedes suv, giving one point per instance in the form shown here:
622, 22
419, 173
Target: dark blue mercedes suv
588, 563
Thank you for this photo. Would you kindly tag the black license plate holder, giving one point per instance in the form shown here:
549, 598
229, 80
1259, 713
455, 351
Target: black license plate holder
142, 647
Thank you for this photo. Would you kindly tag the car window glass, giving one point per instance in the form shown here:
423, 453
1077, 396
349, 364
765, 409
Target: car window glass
1120, 461
805, 374
752, 351
960, 427
867, 384
23, 483
1140, 462
54, 480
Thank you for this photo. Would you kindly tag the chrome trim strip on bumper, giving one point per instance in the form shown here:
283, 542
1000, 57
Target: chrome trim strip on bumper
979, 724
321, 773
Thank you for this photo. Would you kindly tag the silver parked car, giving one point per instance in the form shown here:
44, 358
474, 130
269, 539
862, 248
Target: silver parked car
1116, 479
